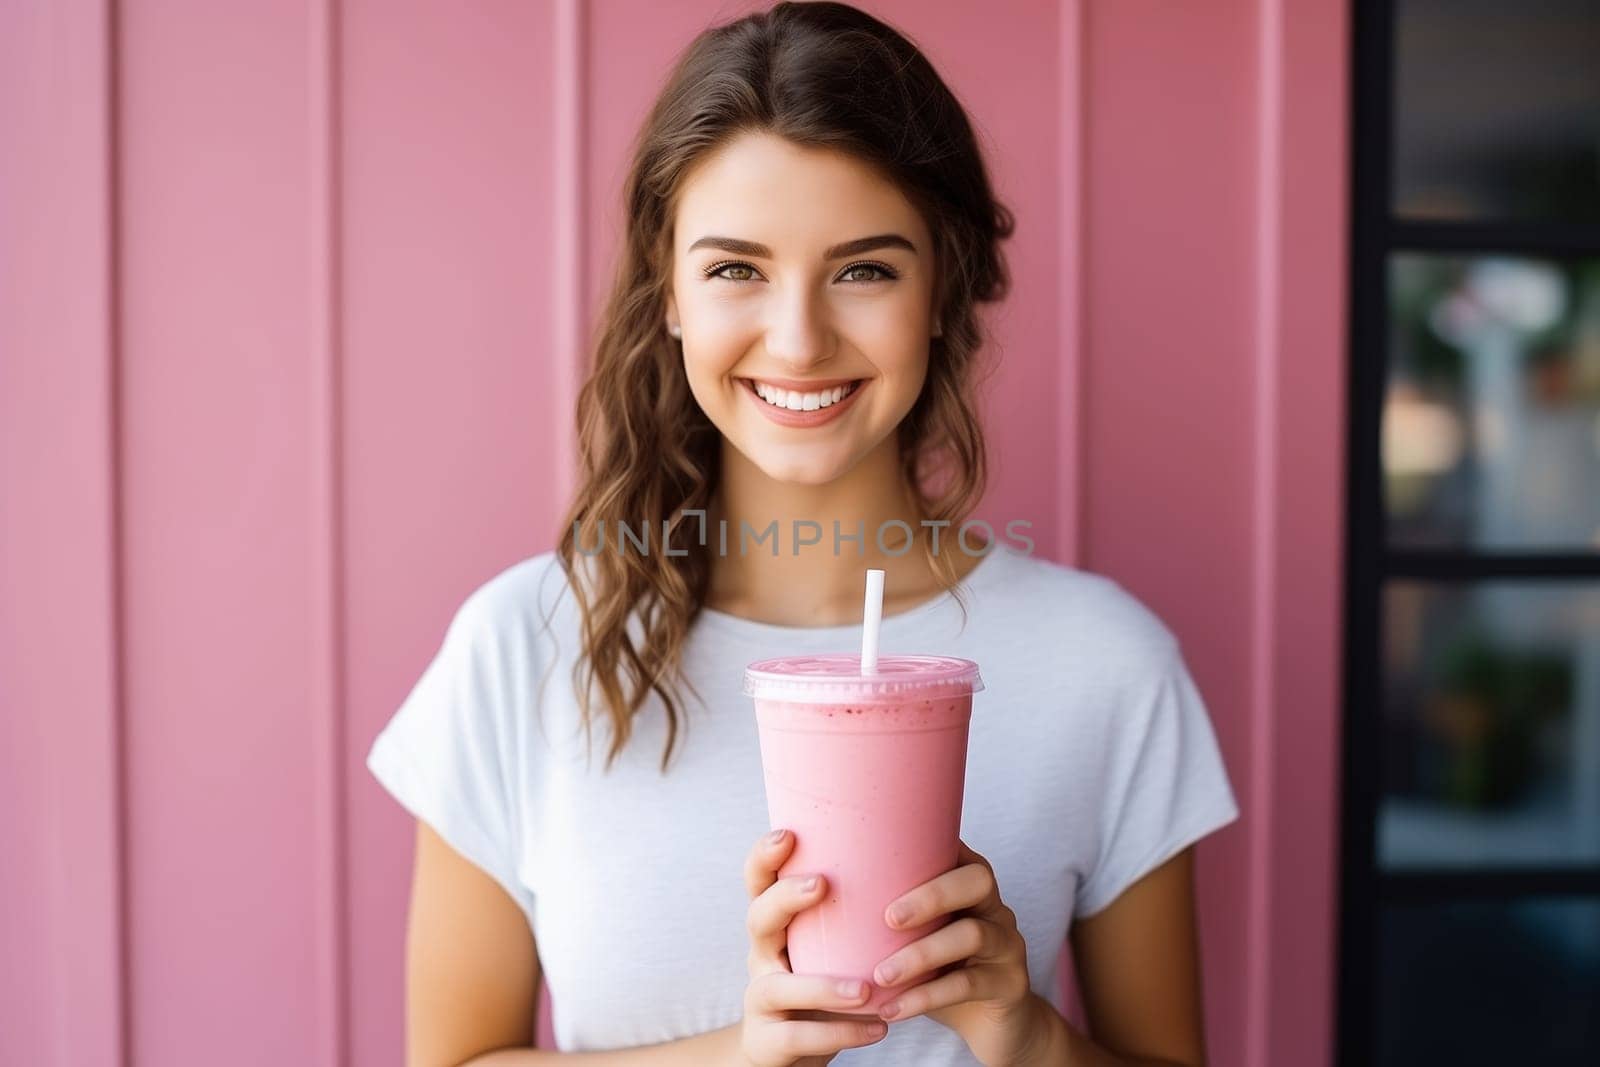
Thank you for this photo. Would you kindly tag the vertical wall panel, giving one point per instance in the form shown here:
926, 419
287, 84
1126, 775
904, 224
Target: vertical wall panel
61, 958
329, 765
570, 319
1263, 726
1308, 347
450, 368
1213, 303
1071, 254
1168, 397
218, 195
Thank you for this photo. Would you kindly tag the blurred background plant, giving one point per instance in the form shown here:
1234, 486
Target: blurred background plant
1486, 719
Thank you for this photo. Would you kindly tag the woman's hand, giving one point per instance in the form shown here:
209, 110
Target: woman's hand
787, 1016
982, 991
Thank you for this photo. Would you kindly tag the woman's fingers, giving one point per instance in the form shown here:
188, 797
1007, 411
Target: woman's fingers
767, 920
761, 865
817, 1002
790, 1017
824, 1039
783, 991
774, 901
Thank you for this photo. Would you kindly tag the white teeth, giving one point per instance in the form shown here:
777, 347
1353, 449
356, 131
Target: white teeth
796, 401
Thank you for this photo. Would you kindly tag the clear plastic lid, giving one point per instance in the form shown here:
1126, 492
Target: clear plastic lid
837, 677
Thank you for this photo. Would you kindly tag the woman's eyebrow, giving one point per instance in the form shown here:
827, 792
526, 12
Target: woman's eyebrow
849, 248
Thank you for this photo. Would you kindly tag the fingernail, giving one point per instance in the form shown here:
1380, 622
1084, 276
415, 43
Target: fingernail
889, 1011
899, 914
809, 884
887, 973
877, 1029
776, 837
850, 989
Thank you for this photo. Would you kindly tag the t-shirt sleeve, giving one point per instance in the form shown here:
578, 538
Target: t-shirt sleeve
447, 753
1167, 784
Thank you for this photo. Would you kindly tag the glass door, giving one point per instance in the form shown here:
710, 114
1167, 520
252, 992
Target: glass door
1470, 918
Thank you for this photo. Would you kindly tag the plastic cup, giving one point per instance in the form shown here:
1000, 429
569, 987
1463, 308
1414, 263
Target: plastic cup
868, 771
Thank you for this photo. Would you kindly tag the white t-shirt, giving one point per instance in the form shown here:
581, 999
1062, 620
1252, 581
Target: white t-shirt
1091, 761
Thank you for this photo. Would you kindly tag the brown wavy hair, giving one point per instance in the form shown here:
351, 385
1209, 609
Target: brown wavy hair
823, 75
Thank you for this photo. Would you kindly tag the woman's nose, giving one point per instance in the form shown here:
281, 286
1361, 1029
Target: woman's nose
798, 333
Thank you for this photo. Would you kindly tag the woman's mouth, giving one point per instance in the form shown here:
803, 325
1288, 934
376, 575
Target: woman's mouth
802, 404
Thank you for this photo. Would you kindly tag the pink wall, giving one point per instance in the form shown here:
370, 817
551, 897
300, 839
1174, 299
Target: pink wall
290, 297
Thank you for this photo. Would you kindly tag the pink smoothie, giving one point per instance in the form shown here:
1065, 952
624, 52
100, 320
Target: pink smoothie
868, 771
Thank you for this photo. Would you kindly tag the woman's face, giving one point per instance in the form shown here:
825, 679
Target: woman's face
771, 300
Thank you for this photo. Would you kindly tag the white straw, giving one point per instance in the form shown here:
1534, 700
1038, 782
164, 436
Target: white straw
871, 617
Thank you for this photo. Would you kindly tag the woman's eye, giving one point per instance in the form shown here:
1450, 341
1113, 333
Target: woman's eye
718, 271
882, 273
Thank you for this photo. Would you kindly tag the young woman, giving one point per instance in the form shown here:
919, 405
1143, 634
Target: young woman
792, 339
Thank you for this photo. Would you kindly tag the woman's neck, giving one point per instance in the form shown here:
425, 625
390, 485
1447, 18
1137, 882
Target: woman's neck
822, 583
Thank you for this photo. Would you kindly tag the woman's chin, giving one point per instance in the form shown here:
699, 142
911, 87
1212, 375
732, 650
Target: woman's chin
810, 474
797, 465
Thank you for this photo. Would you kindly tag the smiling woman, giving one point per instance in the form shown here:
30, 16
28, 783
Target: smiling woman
809, 316
792, 338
